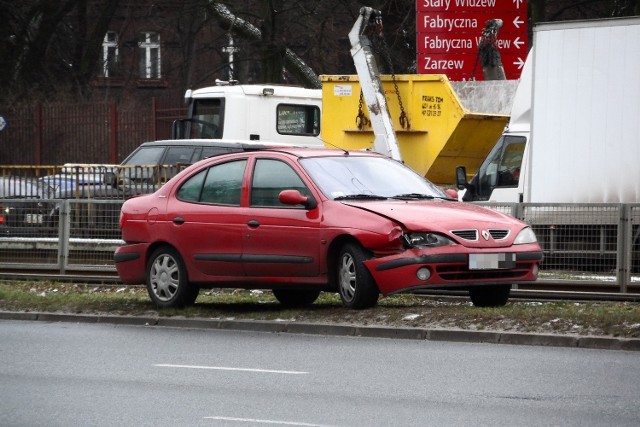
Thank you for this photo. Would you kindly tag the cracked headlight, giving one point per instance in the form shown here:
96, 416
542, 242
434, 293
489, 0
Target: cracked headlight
414, 240
526, 235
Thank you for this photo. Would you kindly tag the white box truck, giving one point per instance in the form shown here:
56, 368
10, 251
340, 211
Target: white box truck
574, 131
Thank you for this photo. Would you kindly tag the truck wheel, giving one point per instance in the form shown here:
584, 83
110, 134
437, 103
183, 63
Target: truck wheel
167, 281
490, 296
356, 287
296, 297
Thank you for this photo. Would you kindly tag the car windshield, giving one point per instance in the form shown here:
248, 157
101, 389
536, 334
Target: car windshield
352, 177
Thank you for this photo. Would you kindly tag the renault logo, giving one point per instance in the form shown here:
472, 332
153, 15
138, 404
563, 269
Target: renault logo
485, 234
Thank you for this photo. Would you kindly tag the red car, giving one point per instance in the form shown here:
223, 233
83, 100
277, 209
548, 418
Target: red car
300, 221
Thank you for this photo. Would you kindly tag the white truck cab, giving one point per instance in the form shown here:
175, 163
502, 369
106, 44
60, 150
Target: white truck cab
286, 114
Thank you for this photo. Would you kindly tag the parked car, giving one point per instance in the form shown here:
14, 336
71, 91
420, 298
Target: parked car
82, 181
301, 221
153, 163
143, 171
23, 210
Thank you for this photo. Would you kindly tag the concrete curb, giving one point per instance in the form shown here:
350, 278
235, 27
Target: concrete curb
451, 335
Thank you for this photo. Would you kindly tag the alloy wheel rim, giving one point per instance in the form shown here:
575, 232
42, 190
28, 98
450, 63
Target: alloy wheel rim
347, 277
165, 277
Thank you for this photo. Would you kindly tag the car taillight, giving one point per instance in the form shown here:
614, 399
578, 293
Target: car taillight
3, 212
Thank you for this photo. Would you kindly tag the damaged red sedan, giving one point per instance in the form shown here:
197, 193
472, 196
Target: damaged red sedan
300, 221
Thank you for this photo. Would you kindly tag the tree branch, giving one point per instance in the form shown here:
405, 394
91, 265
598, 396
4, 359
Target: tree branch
244, 29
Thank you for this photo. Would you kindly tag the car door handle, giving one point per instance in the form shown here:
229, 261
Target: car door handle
178, 220
253, 223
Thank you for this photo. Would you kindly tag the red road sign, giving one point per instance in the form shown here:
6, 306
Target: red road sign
466, 43
448, 33
466, 66
470, 5
513, 22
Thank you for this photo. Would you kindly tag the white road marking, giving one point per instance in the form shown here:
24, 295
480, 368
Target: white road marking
252, 420
224, 368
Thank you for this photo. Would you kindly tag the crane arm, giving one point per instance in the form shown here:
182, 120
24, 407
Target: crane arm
369, 23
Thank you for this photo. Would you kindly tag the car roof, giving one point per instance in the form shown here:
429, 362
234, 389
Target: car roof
237, 143
244, 145
305, 152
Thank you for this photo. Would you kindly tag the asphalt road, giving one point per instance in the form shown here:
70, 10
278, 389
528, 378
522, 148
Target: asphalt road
76, 374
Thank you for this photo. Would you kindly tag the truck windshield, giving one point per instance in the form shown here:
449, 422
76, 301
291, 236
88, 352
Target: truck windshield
501, 168
207, 118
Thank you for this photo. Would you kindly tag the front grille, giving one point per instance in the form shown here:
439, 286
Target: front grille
471, 235
498, 234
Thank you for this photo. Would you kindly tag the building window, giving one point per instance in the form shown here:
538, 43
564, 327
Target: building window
110, 54
149, 48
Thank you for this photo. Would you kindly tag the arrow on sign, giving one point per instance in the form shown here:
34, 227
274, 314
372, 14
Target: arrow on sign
517, 42
519, 63
518, 2
517, 22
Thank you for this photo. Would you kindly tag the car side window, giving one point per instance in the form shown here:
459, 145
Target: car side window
177, 155
220, 184
176, 159
191, 189
223, 185
145, 156
216, 151
270, 177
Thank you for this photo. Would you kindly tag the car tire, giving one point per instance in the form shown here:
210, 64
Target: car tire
356, 287
490, 296
167, 281
296, 297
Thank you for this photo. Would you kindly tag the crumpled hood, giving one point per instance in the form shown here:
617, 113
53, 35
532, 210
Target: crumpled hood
441, 216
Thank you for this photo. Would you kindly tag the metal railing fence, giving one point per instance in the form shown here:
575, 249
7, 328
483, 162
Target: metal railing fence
596, 242
84, 181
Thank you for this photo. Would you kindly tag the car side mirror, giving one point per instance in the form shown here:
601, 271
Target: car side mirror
179, 129
294, 197
461, 178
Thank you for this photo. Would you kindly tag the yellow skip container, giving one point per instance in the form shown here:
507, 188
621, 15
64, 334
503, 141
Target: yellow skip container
449, 123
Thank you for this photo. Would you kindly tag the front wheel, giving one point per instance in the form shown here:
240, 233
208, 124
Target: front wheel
356, 286
167, 281
490, 296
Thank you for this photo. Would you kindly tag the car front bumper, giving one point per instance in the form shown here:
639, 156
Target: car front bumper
448, 267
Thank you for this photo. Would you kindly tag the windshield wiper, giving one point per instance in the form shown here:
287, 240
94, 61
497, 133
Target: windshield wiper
419, 196
360, 196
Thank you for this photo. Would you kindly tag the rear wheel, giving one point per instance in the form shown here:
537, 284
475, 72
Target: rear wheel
490, 296
356, 287
296, 297
167, 281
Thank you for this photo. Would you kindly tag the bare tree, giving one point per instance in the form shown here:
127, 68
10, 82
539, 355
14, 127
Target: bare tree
45, 44
276, 55
49, 47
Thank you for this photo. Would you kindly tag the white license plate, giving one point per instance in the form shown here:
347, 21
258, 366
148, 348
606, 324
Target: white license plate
491, 261
33, 218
